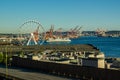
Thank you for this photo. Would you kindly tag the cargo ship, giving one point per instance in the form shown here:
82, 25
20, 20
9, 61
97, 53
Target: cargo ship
58, 40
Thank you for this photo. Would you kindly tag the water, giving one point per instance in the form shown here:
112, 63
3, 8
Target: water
109, 45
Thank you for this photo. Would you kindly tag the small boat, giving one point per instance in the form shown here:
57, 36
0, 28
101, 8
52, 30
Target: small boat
58, 40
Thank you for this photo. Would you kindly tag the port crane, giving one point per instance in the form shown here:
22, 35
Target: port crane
73, 33
59, 33
49, 34
100, 32
51, 31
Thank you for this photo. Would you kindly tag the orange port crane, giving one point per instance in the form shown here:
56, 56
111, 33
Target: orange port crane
36, 34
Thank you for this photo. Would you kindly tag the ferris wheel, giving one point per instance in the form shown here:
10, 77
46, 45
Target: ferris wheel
31, 33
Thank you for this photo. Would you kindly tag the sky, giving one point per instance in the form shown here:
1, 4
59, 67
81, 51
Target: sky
66, 14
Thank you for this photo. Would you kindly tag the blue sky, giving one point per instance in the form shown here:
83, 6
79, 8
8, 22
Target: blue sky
92, 14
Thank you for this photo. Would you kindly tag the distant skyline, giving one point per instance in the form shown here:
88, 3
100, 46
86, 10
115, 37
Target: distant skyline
66, 14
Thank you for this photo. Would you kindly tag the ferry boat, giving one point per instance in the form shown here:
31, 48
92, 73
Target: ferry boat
58, 40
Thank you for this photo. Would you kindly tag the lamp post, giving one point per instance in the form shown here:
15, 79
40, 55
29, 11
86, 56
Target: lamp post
6, 56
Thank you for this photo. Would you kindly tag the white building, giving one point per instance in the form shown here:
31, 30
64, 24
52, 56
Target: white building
94, 60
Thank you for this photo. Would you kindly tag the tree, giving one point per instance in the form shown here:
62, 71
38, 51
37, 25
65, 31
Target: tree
21, 54
1, 57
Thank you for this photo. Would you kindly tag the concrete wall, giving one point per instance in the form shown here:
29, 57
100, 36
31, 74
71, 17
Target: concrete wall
75, 71
93, 62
